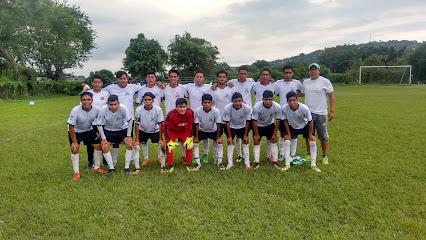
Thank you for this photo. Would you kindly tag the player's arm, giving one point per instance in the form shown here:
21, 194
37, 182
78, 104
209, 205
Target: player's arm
228, 130
311, 137
219, 140
277, 127
136, 143
197, 128
128, 140
74, 145
287, 129
331, 99
256, 136
160, 139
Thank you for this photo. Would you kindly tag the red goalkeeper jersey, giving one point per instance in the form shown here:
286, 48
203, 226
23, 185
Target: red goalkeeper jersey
176, 124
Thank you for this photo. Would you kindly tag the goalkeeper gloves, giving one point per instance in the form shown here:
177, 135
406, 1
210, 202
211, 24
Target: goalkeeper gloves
171, 145
189, 143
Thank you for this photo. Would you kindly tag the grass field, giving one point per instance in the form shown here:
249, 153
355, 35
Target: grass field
374, 187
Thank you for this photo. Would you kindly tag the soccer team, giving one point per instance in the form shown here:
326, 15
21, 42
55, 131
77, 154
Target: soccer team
106, 116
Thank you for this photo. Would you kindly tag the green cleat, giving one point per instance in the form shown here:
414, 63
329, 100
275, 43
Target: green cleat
188, 167
170, 169
308, 158
325, 160
281, 158
205, 158
316, 169
285, 168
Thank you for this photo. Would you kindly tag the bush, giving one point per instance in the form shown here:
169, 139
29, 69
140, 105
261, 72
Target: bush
338, 78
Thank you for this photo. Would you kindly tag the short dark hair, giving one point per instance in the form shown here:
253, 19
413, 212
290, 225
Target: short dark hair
98, 77
149, 94
221, 71
288, 67
173, 71
265, 69
291, 94
181, 101
236, 95
86, 94
207, 97
113, 98
268, 94
198, 71
149, 72
118, 74
243, 67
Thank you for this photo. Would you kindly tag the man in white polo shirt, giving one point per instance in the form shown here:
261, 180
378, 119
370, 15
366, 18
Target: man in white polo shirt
151, 87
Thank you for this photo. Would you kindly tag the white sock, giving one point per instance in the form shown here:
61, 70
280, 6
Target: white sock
206, 146
136, 156
287, 157
238, 146
98, 158
108, 159
281, 146
114, 156
293, 147
183, 149
162, 156
196, 152
268, 149
274, 151
127, 158
145, 150
74, 161
313, 146
256, 151
220, 153
246, 151
215, 151
230, 154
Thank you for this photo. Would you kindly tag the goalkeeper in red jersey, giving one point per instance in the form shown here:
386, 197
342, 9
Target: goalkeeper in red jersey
179, 124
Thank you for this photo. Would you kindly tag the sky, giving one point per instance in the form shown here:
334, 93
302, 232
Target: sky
248, 30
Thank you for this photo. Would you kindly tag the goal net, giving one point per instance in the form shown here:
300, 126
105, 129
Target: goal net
385, 74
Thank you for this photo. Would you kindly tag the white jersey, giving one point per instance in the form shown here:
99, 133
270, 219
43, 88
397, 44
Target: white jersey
265, 116
171, 94
81, 119
297, 119
125, 95
316, 94
114, 121
237, 117
156, 90
148, 120
86, 87
244, 88
258, 90
195, 93
282, 88
207, 120
222, 97
101, 98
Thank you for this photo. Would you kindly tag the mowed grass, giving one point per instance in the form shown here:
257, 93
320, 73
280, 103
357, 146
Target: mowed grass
374, 187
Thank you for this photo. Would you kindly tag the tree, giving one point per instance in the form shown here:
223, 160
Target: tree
418, 61
107, 76
144, 55
190, 54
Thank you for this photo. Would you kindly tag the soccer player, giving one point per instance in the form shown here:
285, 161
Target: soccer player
298, 120
173, 91
316, 89
115, 125
237, 116
151, 87
149, 123
207, 126
179, 124
80, 129
263, 125
282, 87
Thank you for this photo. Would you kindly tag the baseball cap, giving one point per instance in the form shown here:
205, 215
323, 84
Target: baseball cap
314, 65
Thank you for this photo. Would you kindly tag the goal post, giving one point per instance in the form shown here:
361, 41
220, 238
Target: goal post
399, 66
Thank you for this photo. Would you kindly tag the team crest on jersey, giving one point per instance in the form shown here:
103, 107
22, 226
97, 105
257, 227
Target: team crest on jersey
227, 95
181, 124
102, 98
127, 93
211, 120
247, 91
177, 95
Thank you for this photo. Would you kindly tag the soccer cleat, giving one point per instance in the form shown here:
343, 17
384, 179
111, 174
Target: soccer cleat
158, 160
308, 158
163, 170
247, 166
146, 162
188, 167
127, 171
89, 167
76, 176
99, 170
285, 168
229, 166
256, 165
325, 160
316, 169
136, 172
109, 173
281, 158
239, 159
196, 167
270, 159
171, 168
276, 166
220, 166
205, 158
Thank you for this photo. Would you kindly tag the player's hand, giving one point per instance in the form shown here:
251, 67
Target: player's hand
245, 140
164, 85
128, 140
312, 138
219, 141
136, 143
196, 140
171, 145
273, 138
287, 137
189, 143
256, 138
272, 80
75, 148
230, 142
330, 116
229, 84
161, 143
214, 86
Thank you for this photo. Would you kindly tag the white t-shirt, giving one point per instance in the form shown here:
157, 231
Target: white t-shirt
148, 120
282, 88
125, 95
86, 87
101, 98
265, 116
156, 90
222, 97
244, 88
81, 119
258, 90
195, 93
114, 121
208, 120
299, 118
316, 94
237, 117
171, 94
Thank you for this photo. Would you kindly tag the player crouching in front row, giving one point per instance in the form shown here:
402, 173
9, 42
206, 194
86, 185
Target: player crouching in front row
298, 120
115, 125
179, 125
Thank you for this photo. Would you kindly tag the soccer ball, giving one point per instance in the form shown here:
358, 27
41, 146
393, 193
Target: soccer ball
31, 103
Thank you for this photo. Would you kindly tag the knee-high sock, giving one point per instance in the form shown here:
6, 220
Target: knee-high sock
90, 151
214, 150
313, 146
206, 146
268, 149
74, 161
188, 155
293, 147
136, 155
287, 157
145, 150
246, 151
281, 146
161, 156
274, 151
256, 151
127, 158
238, 146
197, 153
114, 156
183, 149
98, 158
219, 152
230, 154
108, 159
